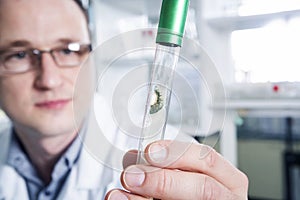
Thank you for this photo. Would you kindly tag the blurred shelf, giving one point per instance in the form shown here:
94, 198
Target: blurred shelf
247, 22
262, 107
260, 104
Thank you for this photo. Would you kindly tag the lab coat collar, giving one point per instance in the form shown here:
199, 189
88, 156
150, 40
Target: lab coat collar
93, 173
5, 138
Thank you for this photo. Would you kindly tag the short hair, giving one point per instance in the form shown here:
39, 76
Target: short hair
84, 8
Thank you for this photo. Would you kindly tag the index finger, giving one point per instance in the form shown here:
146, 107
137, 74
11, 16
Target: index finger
196, 158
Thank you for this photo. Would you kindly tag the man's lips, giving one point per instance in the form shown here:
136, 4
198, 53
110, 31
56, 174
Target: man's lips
53, 104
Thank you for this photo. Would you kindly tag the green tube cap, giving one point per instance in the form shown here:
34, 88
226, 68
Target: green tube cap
172, 22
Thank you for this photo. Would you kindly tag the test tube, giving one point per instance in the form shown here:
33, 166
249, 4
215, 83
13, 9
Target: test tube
168, 43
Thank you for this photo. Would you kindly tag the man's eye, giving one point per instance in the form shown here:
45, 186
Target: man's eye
66, 51
17, 55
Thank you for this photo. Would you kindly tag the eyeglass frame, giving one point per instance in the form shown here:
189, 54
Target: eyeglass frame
36, 54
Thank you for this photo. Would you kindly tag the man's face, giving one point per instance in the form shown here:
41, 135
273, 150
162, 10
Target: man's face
41, 100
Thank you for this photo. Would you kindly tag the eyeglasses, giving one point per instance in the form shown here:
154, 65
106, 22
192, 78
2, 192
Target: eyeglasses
21, 60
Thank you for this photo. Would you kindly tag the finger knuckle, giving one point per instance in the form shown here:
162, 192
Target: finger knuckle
210, 159
244, 180
209, 189
164, 183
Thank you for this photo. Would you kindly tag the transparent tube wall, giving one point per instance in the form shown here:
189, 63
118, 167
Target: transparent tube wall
159, 96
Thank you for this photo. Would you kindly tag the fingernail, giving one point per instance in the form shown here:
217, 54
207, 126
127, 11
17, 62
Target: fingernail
134, 176
117, 195
157, 153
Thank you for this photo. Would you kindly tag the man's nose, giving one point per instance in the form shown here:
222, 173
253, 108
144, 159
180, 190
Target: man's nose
49, 74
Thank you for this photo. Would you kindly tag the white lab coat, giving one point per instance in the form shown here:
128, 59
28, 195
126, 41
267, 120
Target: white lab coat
97, 170
88, 179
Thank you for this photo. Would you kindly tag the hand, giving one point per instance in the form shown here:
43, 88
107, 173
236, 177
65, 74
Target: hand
181, 171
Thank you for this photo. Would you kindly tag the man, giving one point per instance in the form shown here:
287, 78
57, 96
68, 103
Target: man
42, 45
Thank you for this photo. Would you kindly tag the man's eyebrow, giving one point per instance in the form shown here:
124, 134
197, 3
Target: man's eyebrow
16, 43
73, 40
25, 43
67, 41
19, 43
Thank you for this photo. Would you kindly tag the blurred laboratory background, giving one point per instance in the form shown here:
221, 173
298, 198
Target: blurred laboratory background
254, 45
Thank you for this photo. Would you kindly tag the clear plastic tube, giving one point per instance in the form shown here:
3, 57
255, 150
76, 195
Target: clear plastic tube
169, 40
159, 96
